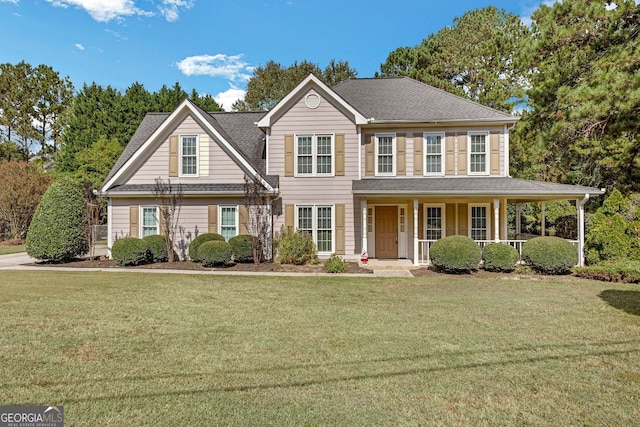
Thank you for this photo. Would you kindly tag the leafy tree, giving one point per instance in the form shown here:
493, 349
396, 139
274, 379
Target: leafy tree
585, 96
272, 82
477, 58
22, 185
206, 102
57, 231
95, 162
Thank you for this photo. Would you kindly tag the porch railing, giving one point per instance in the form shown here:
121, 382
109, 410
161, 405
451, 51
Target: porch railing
424, 247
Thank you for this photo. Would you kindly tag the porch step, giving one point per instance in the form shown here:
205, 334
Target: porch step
389, 265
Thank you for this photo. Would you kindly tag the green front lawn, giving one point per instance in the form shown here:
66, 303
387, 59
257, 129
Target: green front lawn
5, 250
163, 349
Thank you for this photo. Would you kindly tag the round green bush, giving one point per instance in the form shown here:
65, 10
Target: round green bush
294, 247
500, 257
335, 264
242, 248
214, 253
455, 254
57, 230
550, 255
157, 246
131, 251
195, 244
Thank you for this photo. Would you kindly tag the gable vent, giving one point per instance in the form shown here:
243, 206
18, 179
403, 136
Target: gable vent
312, 101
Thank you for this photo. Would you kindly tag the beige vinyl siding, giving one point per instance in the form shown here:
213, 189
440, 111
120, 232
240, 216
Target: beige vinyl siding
215, 165
333, 190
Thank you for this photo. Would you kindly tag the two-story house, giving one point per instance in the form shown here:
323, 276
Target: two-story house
385, 166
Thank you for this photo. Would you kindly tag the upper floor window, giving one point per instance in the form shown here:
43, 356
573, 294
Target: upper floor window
385, 154
317, 221
188, 155
314, 155
434, 153
150, 221
478, 153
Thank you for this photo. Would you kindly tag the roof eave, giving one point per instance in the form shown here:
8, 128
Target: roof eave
485, 121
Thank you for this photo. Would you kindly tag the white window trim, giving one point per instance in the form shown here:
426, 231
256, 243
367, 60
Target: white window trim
314, 155
237, 218
180, 141
393, 154
487, 166
489, 218
141, 219
443, 227
424, 153
314, 224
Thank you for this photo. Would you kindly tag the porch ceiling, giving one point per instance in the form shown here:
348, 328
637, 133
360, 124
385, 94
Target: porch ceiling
515, 190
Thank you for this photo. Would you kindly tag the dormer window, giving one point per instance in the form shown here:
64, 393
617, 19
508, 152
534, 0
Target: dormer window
188, 155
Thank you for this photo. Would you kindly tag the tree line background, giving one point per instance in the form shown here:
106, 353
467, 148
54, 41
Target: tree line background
573, 77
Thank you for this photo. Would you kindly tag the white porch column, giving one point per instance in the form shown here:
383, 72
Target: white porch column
580, 204
109, 226
363, 205
496, 220
415, 231
543, 219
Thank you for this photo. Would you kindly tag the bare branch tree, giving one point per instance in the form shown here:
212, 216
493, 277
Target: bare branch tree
169, 198
257, 200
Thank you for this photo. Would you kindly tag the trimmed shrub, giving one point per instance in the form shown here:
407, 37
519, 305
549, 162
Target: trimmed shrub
242, 248
214, 253
335, 264
195, 244
550, 255
455, 254
131, 251
619, 271
293, 247
57, 230
500, 257
157, 246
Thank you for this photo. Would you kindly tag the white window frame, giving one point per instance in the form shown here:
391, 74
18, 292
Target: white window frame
315, 155
314, 224
181, 155
141, 220
486, 152
424, 153
470, 220
393, 154
443, 224
221, 218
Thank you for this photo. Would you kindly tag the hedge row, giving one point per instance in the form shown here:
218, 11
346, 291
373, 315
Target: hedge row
211, 249
618, 271
134, 251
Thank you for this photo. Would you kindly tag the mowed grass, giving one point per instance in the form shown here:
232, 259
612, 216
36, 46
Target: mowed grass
6, 250
162, 349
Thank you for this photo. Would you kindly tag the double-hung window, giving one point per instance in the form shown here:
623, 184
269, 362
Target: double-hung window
433, 153
228, 221
317, 221
434, 228
188, 155
385, 154
314, 155
479, 226
478, 153
150, 221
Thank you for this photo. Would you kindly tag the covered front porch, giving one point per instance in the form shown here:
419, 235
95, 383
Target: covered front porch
401, 218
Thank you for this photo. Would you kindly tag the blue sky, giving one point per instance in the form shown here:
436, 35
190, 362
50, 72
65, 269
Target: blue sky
213, 45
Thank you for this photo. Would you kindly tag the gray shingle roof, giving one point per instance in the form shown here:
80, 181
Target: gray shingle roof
406, 99
469, 186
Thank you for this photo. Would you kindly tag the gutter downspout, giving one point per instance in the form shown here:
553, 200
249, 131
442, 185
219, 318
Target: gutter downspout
581, 204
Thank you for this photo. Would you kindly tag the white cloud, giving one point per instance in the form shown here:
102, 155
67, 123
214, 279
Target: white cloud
231, 67
9, 1
228, 97
79, 46
104, 10
169, 8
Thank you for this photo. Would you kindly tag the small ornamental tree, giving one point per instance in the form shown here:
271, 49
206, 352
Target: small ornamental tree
169, 198
57, 231
257, 200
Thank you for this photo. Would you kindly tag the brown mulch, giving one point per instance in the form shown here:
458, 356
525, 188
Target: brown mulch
103, 262
15, 242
